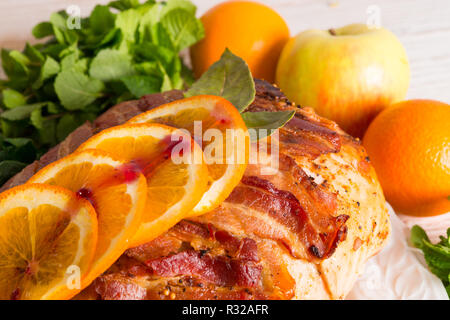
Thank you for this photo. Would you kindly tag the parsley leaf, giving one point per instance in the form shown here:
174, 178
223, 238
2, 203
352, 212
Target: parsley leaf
110, 65
436, 255
15, 154
76, 90
140, 85
12, 98
182, 30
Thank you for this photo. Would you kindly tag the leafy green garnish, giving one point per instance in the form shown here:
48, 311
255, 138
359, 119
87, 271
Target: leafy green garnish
230, 77
15, 154
266, 122
77, 90
12, 98
436, 255
123, 50
21, 112
111, 65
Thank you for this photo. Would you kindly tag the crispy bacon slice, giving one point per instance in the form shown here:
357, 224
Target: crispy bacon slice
285, 208
235, 265
305, 138
119, 287
304, 135
222, 266
221, 271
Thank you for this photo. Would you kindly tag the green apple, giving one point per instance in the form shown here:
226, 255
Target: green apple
347, 75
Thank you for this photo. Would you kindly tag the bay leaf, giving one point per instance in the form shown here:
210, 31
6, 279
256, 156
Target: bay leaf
264, 123
230, 78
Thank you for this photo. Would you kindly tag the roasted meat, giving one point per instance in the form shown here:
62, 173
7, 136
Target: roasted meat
303, 231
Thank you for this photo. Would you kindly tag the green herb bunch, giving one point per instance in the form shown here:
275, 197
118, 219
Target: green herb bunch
122, 51
436, 255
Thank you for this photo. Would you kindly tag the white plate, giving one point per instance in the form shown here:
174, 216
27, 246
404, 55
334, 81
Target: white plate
398, 271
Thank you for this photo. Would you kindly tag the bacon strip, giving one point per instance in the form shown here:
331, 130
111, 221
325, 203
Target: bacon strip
219, 270
224, 262
115, 287
284, 207
300, 137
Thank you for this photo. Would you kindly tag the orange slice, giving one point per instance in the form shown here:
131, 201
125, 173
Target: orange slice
47, 242
226, 146
174, 184
116, 191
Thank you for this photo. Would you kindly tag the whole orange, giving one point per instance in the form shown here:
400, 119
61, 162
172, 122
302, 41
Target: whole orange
253, 31
409, 146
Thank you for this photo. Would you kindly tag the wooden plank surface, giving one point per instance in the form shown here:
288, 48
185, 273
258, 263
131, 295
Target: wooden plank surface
423, 27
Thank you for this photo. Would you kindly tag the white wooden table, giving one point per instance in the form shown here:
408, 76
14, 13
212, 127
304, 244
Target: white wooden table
423, 27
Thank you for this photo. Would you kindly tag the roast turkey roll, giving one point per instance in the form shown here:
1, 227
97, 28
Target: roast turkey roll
301, 227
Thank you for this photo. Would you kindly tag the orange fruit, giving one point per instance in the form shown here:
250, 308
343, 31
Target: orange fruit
117, 192
251, 30
409, 146
47, 235
212, 113
174, 186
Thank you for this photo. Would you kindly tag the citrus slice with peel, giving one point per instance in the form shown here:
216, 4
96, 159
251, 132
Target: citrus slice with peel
47, 242
172, 163
218, 126
116, 191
